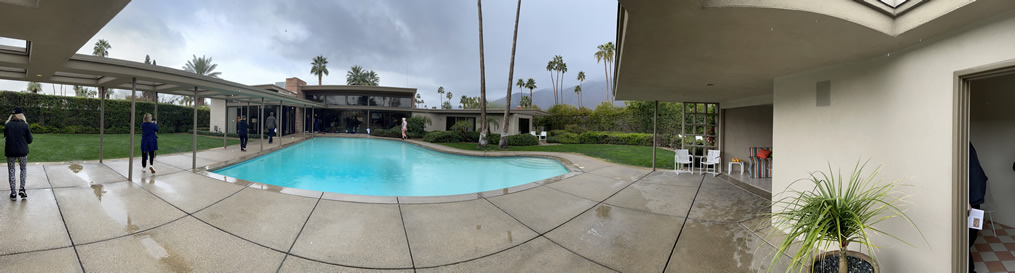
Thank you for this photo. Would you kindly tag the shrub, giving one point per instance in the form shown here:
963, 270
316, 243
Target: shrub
395, 133
56, 113
416, 127
523, 140
38, 129
443, 137
474, 137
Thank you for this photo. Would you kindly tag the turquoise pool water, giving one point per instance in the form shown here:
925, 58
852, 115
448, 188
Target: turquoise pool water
388, 168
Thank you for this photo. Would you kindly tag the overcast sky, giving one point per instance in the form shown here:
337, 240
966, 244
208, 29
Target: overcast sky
410, 43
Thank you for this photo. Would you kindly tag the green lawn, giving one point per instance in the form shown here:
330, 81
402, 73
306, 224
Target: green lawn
60, 147
623, 154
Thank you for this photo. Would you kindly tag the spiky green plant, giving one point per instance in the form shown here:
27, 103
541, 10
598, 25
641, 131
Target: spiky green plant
835, 211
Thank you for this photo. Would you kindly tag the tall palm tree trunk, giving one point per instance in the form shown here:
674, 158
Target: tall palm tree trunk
607, 72
511, 73
553, 85
532, 100
613, 93
482, 80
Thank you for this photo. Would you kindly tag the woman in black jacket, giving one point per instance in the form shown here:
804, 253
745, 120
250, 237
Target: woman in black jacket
17, 136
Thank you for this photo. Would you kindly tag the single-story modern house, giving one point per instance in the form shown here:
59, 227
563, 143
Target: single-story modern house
353, 109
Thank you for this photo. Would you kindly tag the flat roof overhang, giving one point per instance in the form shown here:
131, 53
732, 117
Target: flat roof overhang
55, 29
357, 89
732, 50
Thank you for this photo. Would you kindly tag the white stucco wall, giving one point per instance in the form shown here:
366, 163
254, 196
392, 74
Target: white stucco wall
217, 115
895, 110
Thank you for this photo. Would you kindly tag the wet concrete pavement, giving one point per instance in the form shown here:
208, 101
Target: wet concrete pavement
603, 217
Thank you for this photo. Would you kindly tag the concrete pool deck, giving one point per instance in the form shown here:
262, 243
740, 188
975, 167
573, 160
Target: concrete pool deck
603, 217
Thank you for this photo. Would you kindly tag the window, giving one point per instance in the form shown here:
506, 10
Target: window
700, 125
451, 121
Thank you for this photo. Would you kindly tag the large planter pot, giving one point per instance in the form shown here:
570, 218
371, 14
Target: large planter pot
833, 261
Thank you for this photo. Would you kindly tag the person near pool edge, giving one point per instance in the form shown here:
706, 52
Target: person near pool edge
149, 143
977, 189
241, 131
404, 127
17, 136
270, 123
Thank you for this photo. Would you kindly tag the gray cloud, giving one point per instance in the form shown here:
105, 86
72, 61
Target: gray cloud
415, 43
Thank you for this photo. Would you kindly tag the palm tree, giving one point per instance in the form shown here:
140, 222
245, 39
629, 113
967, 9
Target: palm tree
440, 91
551, 67
530, 84
578, 91
521, 85
581, 78
449, 96
419, 99
609, 60
482, 81
34, 87
149, 95
605, 54
511, 74
101, 49
359, 76
202, 66
319, 67
562, 68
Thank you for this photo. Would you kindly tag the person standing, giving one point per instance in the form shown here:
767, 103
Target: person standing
149, 143
241, 131
17, 136
270, 123
977, 190
404, 127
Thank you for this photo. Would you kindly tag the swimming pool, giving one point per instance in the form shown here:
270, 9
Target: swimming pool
388, 168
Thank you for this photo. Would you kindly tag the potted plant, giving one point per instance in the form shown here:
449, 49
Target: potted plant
835, 211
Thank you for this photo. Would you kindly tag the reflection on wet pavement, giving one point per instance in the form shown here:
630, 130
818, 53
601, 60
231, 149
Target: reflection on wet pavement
610, 218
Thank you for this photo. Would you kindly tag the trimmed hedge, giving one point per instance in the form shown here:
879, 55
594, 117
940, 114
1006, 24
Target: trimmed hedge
443, 137
395, 133
523, 140
592, 137
75, 115
474, 137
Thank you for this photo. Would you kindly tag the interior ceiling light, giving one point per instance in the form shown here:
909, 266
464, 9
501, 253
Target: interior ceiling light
38, 75
710, 84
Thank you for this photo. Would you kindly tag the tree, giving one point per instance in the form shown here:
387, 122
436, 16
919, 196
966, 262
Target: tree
440, 92
319, 67
446, 105
149, 95
419, 100
551, 67
101, 49
202, 66
521, 85
609, 60
562, 69
34, 87
449, 96
482, 81
530, 84
578, 89
359, 76
511, 73
605, 54
525, 100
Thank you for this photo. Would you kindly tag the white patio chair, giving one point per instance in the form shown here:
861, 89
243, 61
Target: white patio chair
542, 136
683, 158
711, 160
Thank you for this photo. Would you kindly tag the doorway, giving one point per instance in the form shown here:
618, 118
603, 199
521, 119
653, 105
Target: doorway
523, 126
984, 134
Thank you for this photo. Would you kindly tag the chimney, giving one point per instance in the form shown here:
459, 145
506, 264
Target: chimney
293, 85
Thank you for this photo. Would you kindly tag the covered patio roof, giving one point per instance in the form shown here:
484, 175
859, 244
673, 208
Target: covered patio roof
49, 55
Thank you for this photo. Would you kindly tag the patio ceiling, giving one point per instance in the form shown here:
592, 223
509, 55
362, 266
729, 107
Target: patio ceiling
49, 55
732, 50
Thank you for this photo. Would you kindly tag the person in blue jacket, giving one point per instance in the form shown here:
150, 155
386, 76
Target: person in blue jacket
149, 143
17, 136
241, 131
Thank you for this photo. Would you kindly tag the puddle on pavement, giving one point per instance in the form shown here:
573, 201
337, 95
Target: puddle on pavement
76, 167
603, 211
131, 227
165, 256
97, 189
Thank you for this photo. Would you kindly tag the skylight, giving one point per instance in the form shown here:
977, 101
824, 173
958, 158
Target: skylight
12, 42
893, 3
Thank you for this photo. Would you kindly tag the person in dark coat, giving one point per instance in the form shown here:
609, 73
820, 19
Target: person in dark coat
977, 189
241, 131
17, 136
270, 124
149, 143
